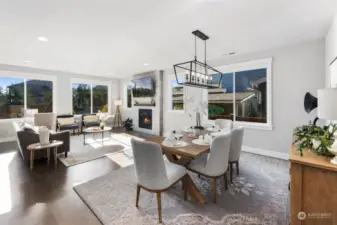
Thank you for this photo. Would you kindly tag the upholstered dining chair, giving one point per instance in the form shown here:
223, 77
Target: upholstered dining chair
216, 164
152, 172
224, 124
235, 150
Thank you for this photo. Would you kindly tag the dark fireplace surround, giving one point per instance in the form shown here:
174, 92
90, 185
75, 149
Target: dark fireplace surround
145, 118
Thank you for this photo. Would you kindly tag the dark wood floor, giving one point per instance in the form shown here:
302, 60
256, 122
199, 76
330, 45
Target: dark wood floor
45, 195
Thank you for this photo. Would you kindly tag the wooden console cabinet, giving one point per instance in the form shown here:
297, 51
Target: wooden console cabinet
313, 189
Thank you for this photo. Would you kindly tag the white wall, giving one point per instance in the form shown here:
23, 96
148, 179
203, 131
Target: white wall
331, 52
63, 93
295, 71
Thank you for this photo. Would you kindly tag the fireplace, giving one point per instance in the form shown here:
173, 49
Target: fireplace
145, 118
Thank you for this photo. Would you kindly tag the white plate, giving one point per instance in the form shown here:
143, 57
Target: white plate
213, 129
174, 144
200, 142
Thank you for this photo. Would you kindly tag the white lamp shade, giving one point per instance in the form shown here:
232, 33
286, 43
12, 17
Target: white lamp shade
327, 103
118, 102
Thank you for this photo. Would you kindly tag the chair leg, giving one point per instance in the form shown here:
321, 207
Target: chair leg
185, 194
214, 189
66, 154
137, 198
159, 206
199, 176
225, 177
231, 172
237, 167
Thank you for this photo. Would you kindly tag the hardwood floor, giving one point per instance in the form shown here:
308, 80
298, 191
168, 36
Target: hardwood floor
45, 195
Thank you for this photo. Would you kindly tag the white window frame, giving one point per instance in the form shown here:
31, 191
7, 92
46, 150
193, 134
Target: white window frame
169, 88
91, 83
30, 76
244, 66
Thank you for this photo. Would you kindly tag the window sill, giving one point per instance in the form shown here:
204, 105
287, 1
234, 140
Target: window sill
257, 126
13, 120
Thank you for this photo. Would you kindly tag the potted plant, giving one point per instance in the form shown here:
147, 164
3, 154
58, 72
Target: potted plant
128, 124
315, 138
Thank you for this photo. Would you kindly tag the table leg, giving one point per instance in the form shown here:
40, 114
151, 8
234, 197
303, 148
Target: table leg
48, 155
31, 159
192, 189
175, 159
83, 138
55, 156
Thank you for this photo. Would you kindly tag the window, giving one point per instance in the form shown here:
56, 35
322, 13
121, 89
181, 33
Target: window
129, 96
244, 95
100, 98
177, 95
81, 98
220, 101
90, 98
40, 95
18, 94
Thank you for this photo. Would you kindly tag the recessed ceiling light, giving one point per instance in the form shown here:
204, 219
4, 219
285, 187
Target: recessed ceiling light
146, 64
44, 39
28, 61
109, 73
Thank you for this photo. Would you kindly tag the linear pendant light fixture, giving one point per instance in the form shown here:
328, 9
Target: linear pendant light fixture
196, 73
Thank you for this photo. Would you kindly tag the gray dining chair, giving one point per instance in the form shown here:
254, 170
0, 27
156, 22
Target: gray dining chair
224, 124
152, 172
235, 150
216, 164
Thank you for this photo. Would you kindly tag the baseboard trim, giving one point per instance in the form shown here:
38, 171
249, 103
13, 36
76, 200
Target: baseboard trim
270, 153
7, 139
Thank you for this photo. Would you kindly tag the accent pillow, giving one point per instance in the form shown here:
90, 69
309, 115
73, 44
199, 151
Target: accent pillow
90, 119
66, 121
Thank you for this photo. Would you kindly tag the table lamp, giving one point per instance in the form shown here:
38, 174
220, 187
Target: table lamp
327, 109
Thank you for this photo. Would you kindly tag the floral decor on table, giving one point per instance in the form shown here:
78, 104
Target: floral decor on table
315, 138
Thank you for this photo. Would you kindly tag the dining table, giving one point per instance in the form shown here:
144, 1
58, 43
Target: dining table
182, 155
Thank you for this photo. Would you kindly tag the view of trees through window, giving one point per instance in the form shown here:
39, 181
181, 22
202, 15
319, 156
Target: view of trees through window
129, 96
100, 98
39, 95
177, 95
88, 98
249, 97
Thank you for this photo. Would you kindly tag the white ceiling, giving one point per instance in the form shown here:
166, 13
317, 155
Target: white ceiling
118, 37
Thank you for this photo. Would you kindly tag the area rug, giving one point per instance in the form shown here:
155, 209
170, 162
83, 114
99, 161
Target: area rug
259, 195
94, 149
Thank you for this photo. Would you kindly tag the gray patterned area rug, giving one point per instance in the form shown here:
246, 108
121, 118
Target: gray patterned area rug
259, 195
94, 149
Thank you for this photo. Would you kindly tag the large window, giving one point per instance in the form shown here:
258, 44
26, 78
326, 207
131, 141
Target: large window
18, 94
129, 96
244, 95
177, 95
89, 98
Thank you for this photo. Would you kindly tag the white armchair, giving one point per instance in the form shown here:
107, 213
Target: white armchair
216, 164
224, 124
235, 150
153, 174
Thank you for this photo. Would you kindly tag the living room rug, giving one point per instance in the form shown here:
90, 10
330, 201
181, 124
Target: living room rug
94, 149
259, 195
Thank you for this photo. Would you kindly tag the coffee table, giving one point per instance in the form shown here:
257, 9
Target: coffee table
38, 146
95, 130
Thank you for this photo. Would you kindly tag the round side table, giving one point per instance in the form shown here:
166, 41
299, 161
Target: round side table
37, 147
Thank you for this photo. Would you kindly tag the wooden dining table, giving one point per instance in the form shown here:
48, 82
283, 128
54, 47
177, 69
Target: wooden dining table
182, 156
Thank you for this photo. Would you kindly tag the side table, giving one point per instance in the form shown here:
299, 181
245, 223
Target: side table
37, 146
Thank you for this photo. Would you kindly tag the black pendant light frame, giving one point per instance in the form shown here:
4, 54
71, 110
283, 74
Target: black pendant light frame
193, 77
